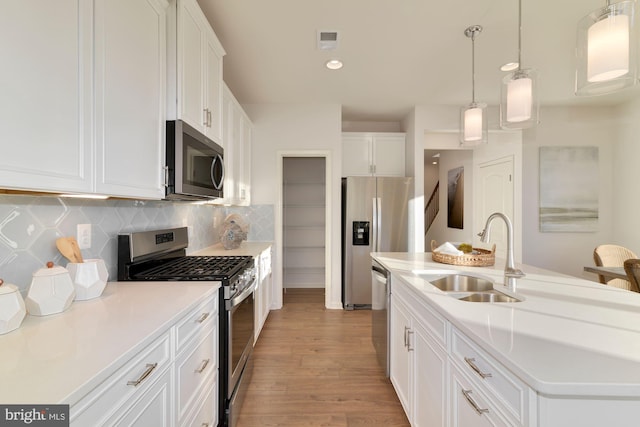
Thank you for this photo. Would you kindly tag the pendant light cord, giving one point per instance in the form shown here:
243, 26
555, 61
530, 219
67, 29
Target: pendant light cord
519, 35
473, 67
471, 33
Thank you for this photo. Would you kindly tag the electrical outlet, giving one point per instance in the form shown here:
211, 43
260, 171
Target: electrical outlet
84, 236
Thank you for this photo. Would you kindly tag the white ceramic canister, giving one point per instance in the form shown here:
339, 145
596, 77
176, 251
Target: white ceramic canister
51, 291
89, 278
12, 308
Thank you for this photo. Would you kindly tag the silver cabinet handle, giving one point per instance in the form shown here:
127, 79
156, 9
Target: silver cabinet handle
406, 333
471, 362
145, 374
202, 366
209, 116
202, 318
409, 348
479, 410
205, 425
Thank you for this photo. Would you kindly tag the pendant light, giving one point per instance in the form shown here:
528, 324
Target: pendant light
473, 117
519, 92
606, 50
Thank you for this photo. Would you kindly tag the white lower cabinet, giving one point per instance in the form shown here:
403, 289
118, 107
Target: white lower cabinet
262, 295
443, 378
154, 407
171, 382
418, 366
470, 407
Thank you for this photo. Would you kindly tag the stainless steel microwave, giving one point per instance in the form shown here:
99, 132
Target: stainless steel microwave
194, 164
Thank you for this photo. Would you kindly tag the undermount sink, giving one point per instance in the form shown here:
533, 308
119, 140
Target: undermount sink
489, 297
465, 287
462, 283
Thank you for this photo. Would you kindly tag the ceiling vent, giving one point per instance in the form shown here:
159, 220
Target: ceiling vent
327, 40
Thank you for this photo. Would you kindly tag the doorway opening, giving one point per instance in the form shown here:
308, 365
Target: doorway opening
304, 224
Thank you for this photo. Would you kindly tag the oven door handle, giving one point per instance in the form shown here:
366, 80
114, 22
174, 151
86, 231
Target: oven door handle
238, 299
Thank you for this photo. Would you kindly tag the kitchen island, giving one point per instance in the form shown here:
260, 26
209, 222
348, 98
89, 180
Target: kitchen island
569, 352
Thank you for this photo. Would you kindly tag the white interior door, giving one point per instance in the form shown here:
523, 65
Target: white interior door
495, 194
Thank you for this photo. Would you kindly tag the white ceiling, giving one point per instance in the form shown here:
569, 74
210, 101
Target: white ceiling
397, 53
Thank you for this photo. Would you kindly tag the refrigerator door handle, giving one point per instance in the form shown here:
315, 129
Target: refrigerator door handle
379, 224
374, 218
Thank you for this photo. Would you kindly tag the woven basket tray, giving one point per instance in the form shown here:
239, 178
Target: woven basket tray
482, 258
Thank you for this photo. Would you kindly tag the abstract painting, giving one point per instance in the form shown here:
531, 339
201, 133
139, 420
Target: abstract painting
455, 198
569, 186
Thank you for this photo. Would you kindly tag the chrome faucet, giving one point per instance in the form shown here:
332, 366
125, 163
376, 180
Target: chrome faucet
511, 273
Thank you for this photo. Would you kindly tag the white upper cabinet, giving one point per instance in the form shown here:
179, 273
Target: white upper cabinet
194, 70
84, 111
130, 87
237, 151
379, 154
46, 95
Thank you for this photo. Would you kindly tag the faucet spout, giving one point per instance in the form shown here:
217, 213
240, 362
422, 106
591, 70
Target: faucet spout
511, 273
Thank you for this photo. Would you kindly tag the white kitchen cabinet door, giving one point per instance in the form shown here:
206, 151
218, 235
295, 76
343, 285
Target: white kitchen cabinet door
130, 87
46, 100
356, 156
191, 65
237, 133
196, 57
213, 88
429, 380
388, 155
377, 154
418, 368
400, 357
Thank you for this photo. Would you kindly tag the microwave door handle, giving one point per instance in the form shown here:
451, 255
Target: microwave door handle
217, 185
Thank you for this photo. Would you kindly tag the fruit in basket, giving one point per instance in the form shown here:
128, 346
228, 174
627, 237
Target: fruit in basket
465, 247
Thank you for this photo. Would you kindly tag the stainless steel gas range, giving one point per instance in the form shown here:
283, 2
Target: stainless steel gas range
160, 255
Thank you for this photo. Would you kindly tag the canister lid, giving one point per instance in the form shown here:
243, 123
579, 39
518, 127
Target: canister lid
7, 288
50, 270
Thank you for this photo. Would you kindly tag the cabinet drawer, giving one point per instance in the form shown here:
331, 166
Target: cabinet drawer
504, 387
193, 368
196, 321
471, 405
124, 386
206, 407
152, 409
435, 324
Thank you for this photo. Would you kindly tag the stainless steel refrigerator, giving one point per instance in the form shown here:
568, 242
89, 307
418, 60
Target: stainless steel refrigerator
375, 215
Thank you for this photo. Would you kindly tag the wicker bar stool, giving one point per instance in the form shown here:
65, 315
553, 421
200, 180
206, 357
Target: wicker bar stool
632, 268
613, 256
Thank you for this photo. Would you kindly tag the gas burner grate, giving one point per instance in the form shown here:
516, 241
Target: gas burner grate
196, 268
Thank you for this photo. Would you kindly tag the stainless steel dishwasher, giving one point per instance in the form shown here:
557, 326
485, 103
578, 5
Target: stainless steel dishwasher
380, 293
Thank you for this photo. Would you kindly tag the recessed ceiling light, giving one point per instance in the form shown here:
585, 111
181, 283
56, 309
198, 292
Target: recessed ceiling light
434, 163
509, 66
334, 64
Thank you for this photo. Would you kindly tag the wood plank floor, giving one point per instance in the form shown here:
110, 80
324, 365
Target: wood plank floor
317, 367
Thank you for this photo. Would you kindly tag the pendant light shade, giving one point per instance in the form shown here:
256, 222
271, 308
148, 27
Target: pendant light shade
607, 50
519, 92
473, 117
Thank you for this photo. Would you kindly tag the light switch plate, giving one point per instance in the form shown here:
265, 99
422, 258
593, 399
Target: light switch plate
84, 236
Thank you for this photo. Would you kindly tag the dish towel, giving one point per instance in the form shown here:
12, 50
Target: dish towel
449, 249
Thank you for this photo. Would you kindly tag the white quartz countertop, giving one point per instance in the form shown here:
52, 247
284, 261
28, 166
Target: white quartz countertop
61, 357
569, 336
246, 248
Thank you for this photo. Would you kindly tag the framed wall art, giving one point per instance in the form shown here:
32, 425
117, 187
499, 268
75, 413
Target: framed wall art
569, 186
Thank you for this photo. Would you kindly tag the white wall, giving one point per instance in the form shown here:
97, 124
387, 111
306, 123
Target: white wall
287, 129
626, 159
563, 126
